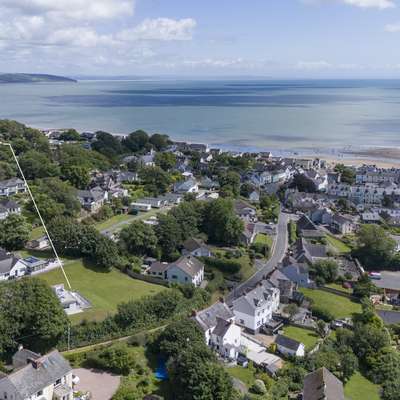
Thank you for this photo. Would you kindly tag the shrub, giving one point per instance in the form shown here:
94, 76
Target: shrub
322, 313
224, 265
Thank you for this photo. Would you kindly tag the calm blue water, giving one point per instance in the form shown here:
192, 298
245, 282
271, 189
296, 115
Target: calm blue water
264, 114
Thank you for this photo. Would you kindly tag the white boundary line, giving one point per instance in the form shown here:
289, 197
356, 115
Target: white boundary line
37, 209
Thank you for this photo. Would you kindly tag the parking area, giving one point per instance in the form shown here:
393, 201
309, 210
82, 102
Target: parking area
100, 384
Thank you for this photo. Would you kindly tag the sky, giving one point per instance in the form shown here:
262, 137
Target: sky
268, 38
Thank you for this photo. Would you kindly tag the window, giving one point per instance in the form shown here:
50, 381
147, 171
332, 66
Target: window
174, 277
39, 393
58, 382
242, 321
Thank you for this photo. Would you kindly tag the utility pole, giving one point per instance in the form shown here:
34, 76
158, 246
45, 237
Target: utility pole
37, 210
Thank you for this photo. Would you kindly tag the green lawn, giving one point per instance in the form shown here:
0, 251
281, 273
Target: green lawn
105, 290
309, 338
264, 239
116, 219
360, 388
339, 306
36, 233
246, 375
340, 246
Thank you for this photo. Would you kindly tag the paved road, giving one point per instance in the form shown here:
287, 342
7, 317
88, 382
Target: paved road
278, 252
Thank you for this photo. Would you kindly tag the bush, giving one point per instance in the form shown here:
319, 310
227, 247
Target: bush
258, 387
322, 313
224, 265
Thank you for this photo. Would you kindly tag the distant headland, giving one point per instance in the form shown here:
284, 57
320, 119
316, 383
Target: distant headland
32, 78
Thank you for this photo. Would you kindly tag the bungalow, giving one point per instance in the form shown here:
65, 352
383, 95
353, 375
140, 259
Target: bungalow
47, 377
12, 186
196, 247
187, 269
158, 269
245, 211
8, 207
322, 384
254, 309
208, 184
92, 200
70, 302
289, 347
10, 266
154, 202
39, 243
188, 186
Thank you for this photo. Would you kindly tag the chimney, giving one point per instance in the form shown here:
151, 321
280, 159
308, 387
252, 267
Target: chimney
221, 300
35, 363
194, 313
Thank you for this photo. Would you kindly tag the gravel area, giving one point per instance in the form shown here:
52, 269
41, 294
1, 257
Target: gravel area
101, 384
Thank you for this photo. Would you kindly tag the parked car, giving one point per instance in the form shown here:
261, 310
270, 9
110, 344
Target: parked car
242, 360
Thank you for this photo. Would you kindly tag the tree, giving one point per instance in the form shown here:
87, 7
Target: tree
37, 165
220, 222
169, 235
155, 180
179, 336
70, 135
375, 247
136, 141
322, 328
303, 184
7, 170
291, 309
390, 390
108, 145
246, 189
159, 142
166, 161
32, 310
347, 174
326, 270
230, 183
77, 175
138, 238
369, 340
188, 217
364, 287
14, 232
54, 197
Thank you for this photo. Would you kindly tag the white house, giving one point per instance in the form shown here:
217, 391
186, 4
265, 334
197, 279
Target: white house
188, 186
8, 207
289, 347
93, 199
12, 186
11, 267
225, 339
196, 247
254, 309
207, 319
186, 270
37, 377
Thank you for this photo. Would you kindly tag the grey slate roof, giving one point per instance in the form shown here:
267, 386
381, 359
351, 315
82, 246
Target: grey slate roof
193, 244
222, 327
389, 317
207, 318
158, 266
7, 261
28, 380
190, 265
322, 384
11, 183
287, 342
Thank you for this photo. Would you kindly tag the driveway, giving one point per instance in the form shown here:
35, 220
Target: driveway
101, 384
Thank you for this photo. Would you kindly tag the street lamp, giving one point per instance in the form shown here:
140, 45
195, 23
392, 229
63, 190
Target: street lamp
37, 210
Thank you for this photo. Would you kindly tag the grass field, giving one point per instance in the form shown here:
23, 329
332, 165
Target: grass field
339, 306
338, 244
116, 219
36, 233
264, 239
246, 375
360, 388
105, 290
309, 338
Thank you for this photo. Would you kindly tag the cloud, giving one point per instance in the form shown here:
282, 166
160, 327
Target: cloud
162, 29
313, 65
393, 28
381, 4
72, 9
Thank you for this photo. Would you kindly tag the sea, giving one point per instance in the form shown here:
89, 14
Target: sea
325, 116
